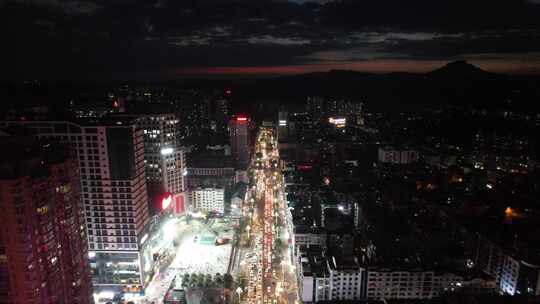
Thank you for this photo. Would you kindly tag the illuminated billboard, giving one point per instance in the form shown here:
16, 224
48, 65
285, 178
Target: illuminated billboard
338, 122
166, 151
166, 201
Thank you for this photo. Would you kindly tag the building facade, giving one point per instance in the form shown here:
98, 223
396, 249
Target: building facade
514, 273
345, 279
315, 109
330, 278
210, 176
519, 276
173, 163
45, 254
309, 239
207, 199
114, 195
160, 132
239, 138
391, 155
392, 284
164, 157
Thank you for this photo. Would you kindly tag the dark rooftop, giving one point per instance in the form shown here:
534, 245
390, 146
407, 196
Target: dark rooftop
28, 156
210, 159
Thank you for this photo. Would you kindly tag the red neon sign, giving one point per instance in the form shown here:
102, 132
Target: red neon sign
241, 118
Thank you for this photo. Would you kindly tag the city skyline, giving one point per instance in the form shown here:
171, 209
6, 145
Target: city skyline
184, 198
270, 152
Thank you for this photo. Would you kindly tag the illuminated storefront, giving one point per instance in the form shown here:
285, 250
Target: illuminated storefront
120, 270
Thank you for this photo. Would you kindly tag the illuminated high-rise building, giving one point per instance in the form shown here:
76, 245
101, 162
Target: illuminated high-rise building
160, 132
174, 171
114, 195
221, 115
239, 138
221, 108
44, 245
163, 156
315, 108
283, 122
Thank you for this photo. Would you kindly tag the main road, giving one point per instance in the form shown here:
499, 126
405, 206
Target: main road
275, 281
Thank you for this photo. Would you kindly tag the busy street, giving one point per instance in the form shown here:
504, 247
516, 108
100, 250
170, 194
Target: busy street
271, 272
198, 246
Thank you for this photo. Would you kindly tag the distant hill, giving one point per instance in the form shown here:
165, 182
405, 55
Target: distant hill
461, 68
459, 83
455, 83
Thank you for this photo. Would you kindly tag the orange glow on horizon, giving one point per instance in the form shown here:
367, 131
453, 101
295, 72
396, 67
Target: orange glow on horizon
510, 65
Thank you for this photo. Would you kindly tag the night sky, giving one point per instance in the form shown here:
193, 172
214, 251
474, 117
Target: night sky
165, 39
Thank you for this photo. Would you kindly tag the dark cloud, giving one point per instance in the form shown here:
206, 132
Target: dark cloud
442, 15
66, 39
70, 7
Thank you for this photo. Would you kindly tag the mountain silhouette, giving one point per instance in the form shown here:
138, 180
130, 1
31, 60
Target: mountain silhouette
458, 82
461, 69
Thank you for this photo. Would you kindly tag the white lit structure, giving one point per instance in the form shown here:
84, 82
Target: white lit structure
519, 277
314, 288
173, 164
514, 273
345, 279
309, 239
207, 199
402, 284
160, 135
327, 278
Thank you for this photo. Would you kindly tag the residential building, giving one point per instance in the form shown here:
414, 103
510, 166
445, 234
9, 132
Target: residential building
173, 161
315, 109
519, 276
44, 245
159, 133
239, 139
114, 194
210, 169
515, 272
391, 155
282, 129
221, 114
163, 155
313, 274
309, 238
207, 199
324, 277
4, 276
346, 277
395, 284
